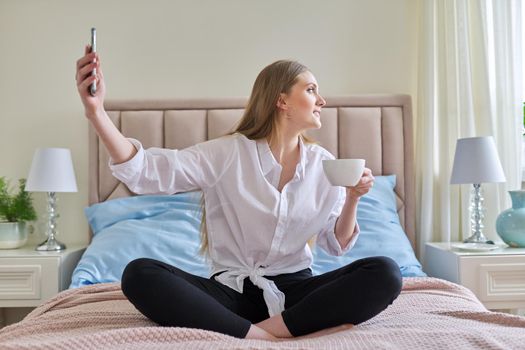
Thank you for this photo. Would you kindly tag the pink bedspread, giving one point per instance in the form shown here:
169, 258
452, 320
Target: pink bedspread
429, 314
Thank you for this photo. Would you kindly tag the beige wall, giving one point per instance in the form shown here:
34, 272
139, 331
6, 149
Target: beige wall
161, 49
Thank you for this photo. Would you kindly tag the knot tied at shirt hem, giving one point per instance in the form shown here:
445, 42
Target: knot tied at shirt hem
273, 297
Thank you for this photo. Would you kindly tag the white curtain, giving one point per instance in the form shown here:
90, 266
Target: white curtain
469, 84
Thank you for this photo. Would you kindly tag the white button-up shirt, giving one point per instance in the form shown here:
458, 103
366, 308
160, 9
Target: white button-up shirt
253, 229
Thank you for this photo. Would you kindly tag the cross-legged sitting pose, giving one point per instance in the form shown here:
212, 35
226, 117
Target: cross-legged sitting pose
265, 197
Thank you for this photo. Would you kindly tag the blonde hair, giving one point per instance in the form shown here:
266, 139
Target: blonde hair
261, 113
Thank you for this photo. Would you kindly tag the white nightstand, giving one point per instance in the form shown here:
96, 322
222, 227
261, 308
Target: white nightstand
28, 278
496, 277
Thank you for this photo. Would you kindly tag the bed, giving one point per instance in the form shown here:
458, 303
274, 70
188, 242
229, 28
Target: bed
93, 314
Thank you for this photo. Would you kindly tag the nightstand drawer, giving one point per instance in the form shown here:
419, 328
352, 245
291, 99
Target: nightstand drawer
495, 278
22, 280
502, 280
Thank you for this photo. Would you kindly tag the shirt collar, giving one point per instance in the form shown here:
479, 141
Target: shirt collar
266, 158
268, 162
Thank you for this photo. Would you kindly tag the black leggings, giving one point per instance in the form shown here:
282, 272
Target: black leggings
350, 294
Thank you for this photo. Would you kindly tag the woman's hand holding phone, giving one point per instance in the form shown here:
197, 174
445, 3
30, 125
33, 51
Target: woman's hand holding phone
93, 104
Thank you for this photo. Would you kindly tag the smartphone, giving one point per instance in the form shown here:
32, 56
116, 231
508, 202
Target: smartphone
93, 86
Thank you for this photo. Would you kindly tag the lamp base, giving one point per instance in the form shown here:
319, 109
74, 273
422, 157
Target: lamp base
51, 244
478, 238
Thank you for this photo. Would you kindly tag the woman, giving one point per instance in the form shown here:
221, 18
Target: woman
265, 197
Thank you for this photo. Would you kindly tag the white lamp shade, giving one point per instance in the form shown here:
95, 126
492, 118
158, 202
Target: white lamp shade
476, 161
51, 171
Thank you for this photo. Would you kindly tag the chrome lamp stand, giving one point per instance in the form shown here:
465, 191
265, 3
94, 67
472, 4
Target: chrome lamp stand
51, 244
477, 214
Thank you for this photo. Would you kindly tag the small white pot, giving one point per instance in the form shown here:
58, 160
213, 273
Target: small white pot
12, 235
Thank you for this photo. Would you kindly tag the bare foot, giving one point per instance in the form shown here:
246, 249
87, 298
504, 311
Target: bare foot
326, 331
258, 333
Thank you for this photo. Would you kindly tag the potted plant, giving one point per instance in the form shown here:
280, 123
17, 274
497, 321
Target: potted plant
15, 210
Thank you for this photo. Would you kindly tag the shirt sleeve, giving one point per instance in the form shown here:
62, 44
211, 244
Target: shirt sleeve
167, 171
326, 238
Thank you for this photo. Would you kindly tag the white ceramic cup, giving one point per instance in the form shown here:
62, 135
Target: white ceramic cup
344, 172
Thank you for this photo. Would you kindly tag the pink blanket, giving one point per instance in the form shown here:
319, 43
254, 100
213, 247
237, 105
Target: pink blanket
429, 314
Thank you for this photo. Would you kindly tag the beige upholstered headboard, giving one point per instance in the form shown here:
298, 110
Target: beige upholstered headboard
375, 127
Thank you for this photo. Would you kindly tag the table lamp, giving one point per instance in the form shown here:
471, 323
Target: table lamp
51, 171
476, 161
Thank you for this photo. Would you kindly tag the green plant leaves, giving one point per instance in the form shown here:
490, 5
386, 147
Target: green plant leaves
16, 207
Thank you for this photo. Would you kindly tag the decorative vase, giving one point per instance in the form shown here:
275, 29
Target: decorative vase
12, 235
510, 224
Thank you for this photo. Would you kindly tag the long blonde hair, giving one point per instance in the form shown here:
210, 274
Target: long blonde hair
261, 113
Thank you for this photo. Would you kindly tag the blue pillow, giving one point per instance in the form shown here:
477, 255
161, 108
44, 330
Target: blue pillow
381, 233
165, 228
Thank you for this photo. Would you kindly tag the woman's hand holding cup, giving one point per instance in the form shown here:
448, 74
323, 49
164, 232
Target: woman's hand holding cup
363, 186
350, 173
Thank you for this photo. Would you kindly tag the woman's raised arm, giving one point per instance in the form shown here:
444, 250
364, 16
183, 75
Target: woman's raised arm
119, 148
